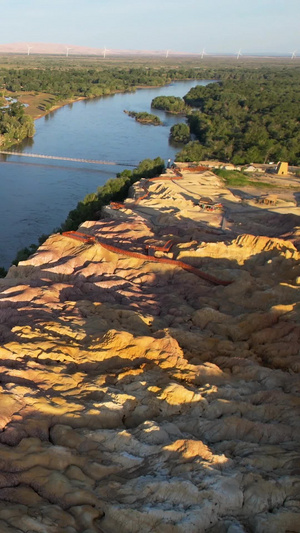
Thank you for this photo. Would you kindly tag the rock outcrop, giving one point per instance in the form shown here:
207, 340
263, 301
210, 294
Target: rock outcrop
136, 395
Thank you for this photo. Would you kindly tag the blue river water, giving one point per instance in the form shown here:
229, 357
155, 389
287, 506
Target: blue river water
36, 195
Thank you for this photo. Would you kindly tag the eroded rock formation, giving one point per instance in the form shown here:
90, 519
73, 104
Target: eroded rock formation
136, 396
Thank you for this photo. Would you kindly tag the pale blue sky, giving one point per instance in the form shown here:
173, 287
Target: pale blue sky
219, 26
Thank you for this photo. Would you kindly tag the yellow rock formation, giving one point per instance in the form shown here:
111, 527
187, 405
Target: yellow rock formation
139, 396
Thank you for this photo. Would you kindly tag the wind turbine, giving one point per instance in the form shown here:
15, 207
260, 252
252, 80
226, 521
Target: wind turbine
239, 54
167, 53
294, 54
28, 49
104, 51
68, 49
203, 53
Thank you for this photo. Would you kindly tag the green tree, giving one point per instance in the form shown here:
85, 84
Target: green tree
180, 133
193, 151
171, 104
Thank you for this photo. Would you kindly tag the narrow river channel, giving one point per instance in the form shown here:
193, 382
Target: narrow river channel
36, 195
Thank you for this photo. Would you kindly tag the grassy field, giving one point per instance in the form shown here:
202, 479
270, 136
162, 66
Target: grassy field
40, 104
193, 61
235, 178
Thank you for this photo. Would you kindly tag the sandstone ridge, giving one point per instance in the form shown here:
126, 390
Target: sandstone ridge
138, 396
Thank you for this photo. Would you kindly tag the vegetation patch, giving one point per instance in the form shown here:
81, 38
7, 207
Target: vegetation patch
114, 190
15, 125
193, 151
235, 178
145, 118
170, 104
3, 272
180, 133
38, 104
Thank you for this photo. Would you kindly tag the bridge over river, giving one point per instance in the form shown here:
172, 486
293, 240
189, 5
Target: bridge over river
59, 158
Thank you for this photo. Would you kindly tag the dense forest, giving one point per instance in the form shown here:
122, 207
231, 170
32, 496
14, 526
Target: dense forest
15, 125
69, 83
248, 115
252, 117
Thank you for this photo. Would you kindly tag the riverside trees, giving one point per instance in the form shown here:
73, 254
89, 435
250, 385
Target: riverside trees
171, 104
91, 82
251, 117
180, 133
113, 190
61, 84
89, 208
14, 125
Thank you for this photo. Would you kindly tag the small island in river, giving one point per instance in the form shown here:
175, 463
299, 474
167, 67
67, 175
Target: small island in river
144, 117
170, 104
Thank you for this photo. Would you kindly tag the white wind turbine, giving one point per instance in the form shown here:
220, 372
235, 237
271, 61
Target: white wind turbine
239, 54
203, 53
167, 53
104, 51
294, 54
28, 49
68, 50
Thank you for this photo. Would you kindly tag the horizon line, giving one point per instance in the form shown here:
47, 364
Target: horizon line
90, 50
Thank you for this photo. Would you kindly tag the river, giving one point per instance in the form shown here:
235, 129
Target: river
36, 196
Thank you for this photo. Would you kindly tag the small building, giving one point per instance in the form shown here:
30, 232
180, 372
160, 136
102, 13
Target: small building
282, 168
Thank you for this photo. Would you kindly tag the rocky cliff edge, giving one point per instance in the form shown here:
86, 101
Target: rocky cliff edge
137, 395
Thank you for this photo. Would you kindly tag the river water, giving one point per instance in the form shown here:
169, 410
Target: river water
36, 195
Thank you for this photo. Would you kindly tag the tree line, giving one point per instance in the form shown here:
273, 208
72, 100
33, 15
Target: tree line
70, 83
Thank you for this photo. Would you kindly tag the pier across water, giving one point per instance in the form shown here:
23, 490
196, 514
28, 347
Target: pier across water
60, 158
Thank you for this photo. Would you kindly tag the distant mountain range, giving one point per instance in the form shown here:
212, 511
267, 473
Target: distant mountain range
70, 49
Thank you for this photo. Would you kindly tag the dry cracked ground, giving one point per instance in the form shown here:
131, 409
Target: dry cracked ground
138, 397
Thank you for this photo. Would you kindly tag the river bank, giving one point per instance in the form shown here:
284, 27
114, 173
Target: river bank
37, 195
34, 102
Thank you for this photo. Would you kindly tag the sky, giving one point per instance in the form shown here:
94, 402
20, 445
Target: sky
218, 26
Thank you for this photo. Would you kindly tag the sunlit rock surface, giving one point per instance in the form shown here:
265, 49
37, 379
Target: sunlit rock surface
138, 397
